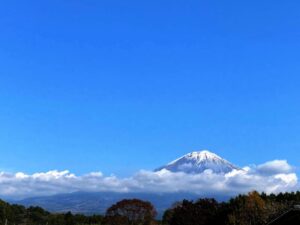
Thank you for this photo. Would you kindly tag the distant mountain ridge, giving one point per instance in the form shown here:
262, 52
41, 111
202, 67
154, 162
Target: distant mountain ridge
198, 162
89, 203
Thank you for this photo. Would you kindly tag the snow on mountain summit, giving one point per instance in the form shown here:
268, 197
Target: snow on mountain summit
197, 162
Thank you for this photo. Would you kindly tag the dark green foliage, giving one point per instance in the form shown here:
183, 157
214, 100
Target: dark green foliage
250, 209
19, 215
37, 215
201, 212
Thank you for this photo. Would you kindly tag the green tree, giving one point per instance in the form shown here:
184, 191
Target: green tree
201, 212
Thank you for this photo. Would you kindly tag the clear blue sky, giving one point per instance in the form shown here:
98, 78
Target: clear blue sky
117, 86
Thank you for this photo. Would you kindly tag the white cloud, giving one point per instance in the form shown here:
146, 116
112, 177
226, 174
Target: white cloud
274, 176
275, 167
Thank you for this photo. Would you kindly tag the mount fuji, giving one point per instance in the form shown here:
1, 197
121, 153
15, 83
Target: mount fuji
198, 162
98, 202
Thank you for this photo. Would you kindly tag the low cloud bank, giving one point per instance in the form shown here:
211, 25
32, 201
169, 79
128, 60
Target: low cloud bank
271, 177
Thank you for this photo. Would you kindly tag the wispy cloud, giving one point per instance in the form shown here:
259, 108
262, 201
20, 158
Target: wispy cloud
274, 176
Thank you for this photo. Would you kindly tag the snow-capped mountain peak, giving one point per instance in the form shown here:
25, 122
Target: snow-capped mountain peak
198, 162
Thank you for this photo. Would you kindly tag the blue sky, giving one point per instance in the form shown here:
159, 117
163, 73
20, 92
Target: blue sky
119, 86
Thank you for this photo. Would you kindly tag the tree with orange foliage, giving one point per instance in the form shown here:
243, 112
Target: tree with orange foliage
248, 210
130, 212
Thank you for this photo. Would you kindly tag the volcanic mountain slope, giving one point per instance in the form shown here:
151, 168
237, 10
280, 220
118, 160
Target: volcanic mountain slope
198, 162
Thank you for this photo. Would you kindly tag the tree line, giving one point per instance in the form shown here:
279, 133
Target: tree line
250, 209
